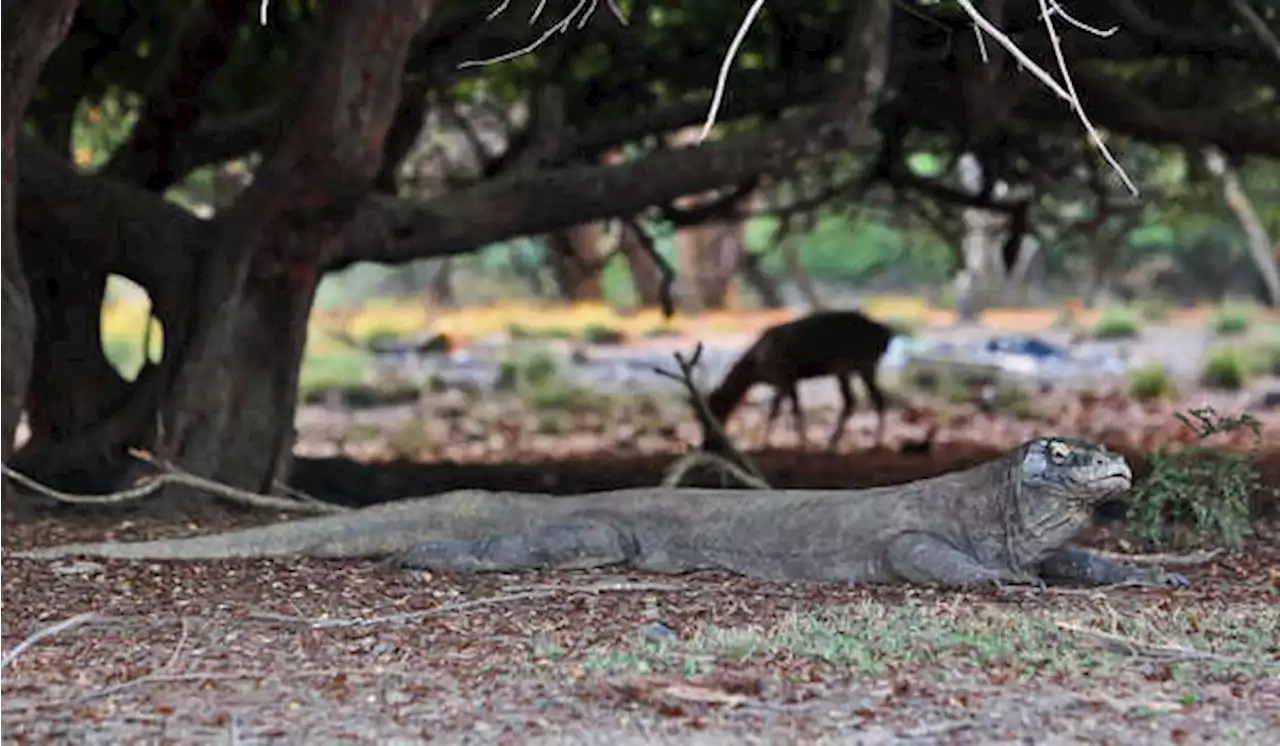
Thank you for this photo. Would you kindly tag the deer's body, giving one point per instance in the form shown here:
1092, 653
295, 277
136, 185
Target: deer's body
825, 343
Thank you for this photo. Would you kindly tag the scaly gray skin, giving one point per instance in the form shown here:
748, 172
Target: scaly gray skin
1006, 521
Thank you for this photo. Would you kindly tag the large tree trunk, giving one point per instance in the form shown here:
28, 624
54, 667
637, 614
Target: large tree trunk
709, 257
238, 427
574, 256
73, 384
764, 285
721, 248
32, 30
440, 289
646, 276
234, 379
1255, 232
234, 293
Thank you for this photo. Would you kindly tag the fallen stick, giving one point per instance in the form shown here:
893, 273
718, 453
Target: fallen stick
456, 606
49, 631
1129, 646
1164, 558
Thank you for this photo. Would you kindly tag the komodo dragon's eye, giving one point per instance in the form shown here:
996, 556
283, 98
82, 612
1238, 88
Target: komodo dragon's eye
1059, 451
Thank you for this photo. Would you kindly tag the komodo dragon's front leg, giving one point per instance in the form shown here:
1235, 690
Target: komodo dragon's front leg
925, 559
1075, 564
562, 545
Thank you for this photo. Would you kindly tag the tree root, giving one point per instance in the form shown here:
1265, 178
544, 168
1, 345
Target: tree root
299, 503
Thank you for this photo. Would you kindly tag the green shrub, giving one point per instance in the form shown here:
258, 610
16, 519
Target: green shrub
520, 332
599, 334
1153, 309
1117, 323
1150, 383
1263, 359
380, 335
1232, 320
1224, 369
1206, 490
525, 370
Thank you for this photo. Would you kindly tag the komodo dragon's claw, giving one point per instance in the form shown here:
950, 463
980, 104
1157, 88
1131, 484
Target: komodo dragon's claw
1169, 579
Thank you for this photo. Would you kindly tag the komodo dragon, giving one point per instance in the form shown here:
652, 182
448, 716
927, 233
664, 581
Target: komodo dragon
1005, 521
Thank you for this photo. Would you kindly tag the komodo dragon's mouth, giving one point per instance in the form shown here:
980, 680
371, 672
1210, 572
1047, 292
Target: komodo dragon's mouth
1122, 480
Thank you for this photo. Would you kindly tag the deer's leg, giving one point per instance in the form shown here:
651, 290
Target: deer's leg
797, 413
868, 376
774, 408
846, 409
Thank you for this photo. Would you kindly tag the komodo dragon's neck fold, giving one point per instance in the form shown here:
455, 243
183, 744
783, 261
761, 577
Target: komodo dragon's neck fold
1038, 518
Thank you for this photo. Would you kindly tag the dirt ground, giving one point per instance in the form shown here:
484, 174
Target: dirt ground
338, 652
360, 652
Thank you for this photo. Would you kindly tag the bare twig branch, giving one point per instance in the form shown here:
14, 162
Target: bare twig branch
1067, 93
498, 10
617, 12
714, 439
1257, 25
49, 631
1054, 7
561, 26
723, 78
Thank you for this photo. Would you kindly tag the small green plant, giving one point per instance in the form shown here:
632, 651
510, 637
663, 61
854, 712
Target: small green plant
1224, 369
658, 332
1117, 323
520, 332
1153, 309
525, 371
1232, 320
380, 335
599, 334
1150, 383
1263, 359
1207, 490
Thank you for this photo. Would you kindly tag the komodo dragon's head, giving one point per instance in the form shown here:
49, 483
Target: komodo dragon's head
1081, 473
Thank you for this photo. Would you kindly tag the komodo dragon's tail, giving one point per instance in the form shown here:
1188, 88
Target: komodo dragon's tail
370, 532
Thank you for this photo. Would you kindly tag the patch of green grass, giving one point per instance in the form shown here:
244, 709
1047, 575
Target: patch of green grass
1232, 320
872, 638
1205, 490
1117, 323
539, 380
324, 372
1224, 369
1150, 383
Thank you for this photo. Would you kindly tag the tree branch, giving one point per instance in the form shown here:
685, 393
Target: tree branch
1121, 108
527, 204
173, 101
102, 222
